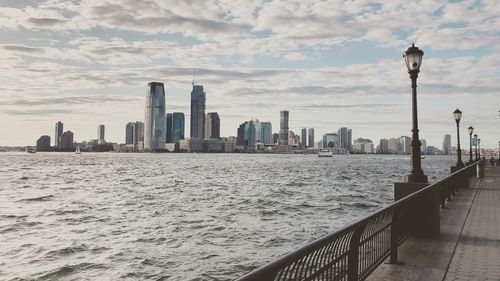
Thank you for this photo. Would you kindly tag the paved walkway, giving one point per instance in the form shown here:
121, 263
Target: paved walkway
477, 255
468, 247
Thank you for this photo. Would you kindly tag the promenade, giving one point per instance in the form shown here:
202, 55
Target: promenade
468, 247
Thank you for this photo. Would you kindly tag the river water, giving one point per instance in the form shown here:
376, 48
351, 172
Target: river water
114, 216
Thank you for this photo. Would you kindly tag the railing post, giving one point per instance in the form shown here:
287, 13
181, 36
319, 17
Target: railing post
353, 256
394, 236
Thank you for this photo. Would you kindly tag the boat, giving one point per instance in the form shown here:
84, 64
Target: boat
30, 149
325, 153
77, 151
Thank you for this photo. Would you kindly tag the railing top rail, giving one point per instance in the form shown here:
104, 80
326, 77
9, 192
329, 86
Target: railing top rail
296, 254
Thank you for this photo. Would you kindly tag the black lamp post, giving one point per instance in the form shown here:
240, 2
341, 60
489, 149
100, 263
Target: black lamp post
413, 59
475, 144
498, 164
470, 129
457, 115
479, 148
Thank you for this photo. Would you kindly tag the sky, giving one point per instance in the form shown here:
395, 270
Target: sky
332, 64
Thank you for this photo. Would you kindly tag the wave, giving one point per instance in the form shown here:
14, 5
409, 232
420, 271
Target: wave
66, 251
67, 270
39, 198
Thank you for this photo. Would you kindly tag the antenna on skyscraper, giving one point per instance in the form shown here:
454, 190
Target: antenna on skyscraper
193, 77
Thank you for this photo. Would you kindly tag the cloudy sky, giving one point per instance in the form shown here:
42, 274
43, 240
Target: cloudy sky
331, 63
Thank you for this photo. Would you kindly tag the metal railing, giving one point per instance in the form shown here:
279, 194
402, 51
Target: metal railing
356, 250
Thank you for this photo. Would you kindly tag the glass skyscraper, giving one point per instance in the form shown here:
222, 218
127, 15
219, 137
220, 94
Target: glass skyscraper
129, 133
310, 135
212, 126
100, 132
267, 133
284, 114
197, 112
178, 127
59, 133
170, 128
154, 120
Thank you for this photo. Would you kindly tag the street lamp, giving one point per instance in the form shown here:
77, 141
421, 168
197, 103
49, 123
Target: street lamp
457, 115
479, 148
475, 145
498, 163
470, 129
413, 59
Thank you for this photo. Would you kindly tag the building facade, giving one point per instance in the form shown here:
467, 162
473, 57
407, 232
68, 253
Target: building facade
170, 128
447, 144
43, 143
58, 133
66, 140
129, 133
139, 136
284, 117
310, 136
198, 99
303, 135
154, 119
100, 133
212, 126
178, 127
266, 133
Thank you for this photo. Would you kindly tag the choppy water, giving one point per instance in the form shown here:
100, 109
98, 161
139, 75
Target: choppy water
179, 216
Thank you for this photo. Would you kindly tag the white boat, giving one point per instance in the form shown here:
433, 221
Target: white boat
325, 153
30, 149
77, 151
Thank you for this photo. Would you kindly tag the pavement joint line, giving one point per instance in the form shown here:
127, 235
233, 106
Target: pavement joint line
462, 229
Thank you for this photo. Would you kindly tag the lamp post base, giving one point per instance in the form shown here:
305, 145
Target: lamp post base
416, 178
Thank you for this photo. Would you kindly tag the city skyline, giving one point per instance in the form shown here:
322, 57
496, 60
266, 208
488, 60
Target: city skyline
251, 63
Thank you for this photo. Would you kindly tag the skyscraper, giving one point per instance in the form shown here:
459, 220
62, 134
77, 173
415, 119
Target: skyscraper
154, 120
250, 135
345, 138
384, 146
59, 133
129, 133
423, 148
43, 143
198, 98
405, 145
66, 140
100, 133
447, 144
266, 132
284, 115
170, 128
330, 140
310, 135
138, 136
178, 127
212, 126
303, 135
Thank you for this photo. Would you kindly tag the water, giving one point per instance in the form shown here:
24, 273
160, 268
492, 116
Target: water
179, 216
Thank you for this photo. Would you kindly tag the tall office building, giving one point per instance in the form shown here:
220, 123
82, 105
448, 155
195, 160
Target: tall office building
330, 140
405, 145
59, 133
198, 99
240, 137
310, 141
384, 146
129, 133
250, 135
212, 126
423, 148
393, 145
447, 144
284, 115
66, 140
266, 132
345, 138
170, 128
178, 127
303, 135
100, 132
258, 130
154, 119
138, 138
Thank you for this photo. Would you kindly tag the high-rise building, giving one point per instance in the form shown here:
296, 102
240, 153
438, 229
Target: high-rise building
404, 145
198, 99
310, 141
212, 126
258, 130
284, 115
43, 143
276, 138
100, 133
66, 140
349, 140
384, 146
393, 145
129, 133
170, 128
178, 127
240, 137
423, 148
447, 144
138, 137
266, 133
154, 119
293, 139
344, 138
250, 135
59, 133
330, 140
304, 137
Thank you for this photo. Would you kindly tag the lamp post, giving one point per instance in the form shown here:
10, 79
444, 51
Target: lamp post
457, 115
479, 148
475, 145
413, 59
498, 162
470, 129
